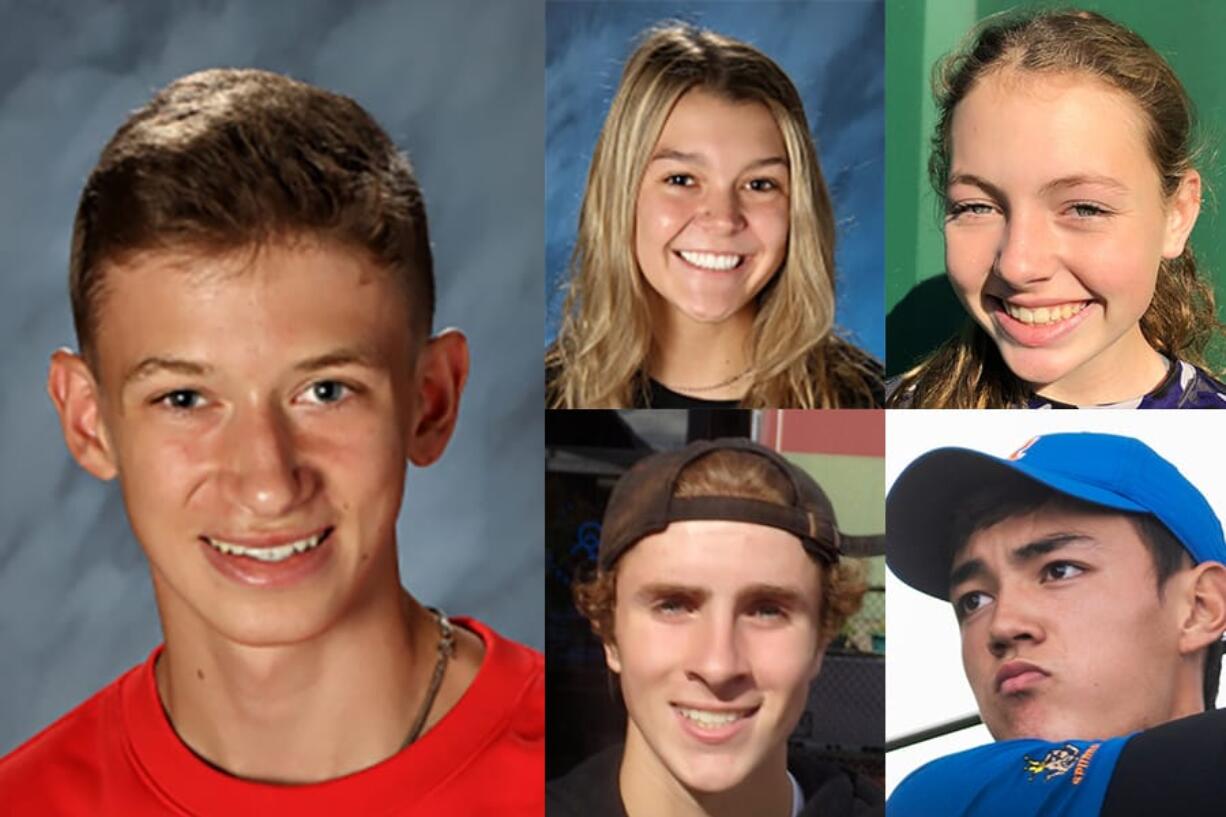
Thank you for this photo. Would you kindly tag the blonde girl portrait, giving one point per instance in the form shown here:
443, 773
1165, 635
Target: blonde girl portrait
1064, 157
703, 269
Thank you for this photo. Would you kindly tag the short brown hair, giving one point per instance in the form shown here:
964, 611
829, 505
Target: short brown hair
734, 474
227, 159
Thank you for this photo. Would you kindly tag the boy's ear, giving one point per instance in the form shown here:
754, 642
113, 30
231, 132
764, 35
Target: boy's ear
612, 657
74, 391
442, 371
1182, 212
1205, 620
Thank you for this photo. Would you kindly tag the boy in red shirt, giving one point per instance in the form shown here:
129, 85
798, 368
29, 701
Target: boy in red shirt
252, 291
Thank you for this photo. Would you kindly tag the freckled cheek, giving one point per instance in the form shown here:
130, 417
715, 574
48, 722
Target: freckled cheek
968, 262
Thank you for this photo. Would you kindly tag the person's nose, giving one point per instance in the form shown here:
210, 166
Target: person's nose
1026, 255
262, 471
721, 210
717, 657
1015, 619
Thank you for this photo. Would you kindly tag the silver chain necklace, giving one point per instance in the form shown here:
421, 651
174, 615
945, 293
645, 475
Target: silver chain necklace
446, 649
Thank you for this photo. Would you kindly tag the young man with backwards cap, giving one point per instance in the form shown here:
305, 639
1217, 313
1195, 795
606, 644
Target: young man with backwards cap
718, 587
1086, 575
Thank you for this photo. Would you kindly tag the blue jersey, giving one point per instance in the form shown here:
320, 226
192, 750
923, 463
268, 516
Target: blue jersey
1012, 778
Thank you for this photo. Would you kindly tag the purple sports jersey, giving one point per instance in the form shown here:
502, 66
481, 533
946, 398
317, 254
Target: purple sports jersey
1184, 387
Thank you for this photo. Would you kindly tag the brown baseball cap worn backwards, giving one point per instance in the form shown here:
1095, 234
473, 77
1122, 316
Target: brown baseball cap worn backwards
642, 503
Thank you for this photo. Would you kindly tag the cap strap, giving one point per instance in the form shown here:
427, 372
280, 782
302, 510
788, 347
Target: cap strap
818, 535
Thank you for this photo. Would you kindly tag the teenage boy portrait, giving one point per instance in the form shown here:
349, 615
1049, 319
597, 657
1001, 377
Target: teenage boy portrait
253, 288
1085, 574
719, 583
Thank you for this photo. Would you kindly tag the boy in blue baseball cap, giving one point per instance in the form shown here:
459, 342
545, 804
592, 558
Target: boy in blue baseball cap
1086, 575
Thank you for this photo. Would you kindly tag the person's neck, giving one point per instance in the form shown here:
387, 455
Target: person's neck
648, 788
302, 713
689, 357
1129, 369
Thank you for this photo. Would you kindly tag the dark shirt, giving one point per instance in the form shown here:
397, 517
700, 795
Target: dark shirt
591, 789
1184, 387
660, 396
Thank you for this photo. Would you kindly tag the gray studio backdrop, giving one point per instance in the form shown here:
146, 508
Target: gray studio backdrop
833, 51
456, 84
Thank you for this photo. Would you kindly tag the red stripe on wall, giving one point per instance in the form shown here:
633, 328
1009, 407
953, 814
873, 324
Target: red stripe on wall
854, 432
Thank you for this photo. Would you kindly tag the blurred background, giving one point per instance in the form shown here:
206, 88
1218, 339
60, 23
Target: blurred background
458, 86
921, 309
586, 452
832, 51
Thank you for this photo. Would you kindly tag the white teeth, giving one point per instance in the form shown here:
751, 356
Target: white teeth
277, 554
1045, 314
708, 719
711, 260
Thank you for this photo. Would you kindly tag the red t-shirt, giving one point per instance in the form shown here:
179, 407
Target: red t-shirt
117, 754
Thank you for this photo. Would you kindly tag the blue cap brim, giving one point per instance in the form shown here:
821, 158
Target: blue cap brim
920, 544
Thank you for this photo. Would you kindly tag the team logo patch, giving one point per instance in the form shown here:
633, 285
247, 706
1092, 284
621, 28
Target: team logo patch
1021, 452
1053, 764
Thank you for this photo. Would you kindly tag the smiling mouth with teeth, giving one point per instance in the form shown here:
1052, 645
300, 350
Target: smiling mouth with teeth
706, 719
273, 554
712, 260
1044, 315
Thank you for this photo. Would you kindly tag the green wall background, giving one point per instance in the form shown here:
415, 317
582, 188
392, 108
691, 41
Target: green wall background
921, 310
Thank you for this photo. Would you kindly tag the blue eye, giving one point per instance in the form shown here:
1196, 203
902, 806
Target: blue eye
972, 208
767, 611
181, 399
1085, 210
327, 391
673, 607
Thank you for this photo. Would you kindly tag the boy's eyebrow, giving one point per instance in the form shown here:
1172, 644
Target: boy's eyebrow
973, 568
1048, 544
153, 364
699, 159
657, 590
346, 356
778, 592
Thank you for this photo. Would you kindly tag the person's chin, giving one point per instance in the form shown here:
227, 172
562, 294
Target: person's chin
711, 775
1037, 367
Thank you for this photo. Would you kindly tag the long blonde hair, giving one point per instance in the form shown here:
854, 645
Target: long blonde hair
605, 337
967, 371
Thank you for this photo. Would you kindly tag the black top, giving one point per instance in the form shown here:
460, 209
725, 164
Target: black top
591, 789
660, 396
848, 394
1176, 768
